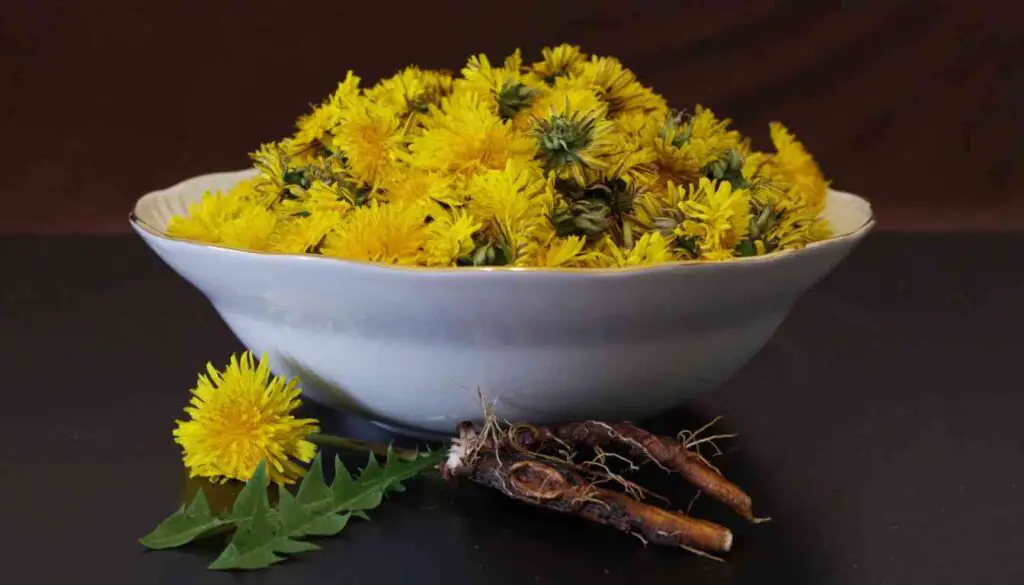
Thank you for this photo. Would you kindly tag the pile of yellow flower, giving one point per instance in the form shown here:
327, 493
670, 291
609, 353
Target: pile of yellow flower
569, 161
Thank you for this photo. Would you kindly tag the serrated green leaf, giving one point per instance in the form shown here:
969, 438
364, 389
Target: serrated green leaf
313, 487
264, 533
342, 478
297, 521
291, 547
249, 548
373, 468
185, 525
329, 524
253, 498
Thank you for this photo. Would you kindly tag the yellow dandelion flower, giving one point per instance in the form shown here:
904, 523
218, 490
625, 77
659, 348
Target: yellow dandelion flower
515, 203
820, 229
707, 137
300, 234
658, 208
371, 138
717, 218
758, 174
629, 160
634, 122
314, 130
464, 137
674, 163
234, 219
418, 185
204, 218
320, 196
558, 62
411, 90
574, 144
449, 237
565, 252
387, 233
797, 169
507, 196
504, 89
241, 416
251, 229
563, 97
272, 162
619, 88
254, 191
796, 228
347, 90
651, 248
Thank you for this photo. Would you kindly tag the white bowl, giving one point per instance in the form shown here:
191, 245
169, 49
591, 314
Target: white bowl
411, 347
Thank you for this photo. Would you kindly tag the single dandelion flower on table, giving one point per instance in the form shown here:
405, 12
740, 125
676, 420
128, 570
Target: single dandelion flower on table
241, 416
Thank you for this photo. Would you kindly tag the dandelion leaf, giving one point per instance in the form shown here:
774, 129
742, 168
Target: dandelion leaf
187, 524
253, 497
264, 535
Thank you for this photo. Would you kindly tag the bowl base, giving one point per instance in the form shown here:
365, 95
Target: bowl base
412, 432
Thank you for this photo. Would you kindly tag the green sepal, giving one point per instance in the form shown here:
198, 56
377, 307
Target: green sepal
514, 97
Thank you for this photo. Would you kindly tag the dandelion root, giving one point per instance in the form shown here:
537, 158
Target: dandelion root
667, 452
525, 479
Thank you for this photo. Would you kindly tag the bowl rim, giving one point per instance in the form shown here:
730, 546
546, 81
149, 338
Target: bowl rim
141, 225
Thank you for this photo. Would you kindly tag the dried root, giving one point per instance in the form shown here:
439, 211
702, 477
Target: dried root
536, 464
668, 453
523, 478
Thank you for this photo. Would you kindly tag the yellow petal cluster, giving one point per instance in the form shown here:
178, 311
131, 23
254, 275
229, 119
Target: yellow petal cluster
241, 416
568, 161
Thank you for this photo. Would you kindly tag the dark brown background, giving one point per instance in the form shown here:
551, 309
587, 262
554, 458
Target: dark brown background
915, 105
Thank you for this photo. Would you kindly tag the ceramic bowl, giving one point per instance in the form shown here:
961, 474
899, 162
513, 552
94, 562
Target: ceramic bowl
414, 348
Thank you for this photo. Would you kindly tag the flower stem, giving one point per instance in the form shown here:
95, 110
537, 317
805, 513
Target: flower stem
357, 445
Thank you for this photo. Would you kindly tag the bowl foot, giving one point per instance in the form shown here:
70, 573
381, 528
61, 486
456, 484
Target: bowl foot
412, 432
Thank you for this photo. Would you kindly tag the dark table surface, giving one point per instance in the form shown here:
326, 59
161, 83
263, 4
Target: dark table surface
880, 428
